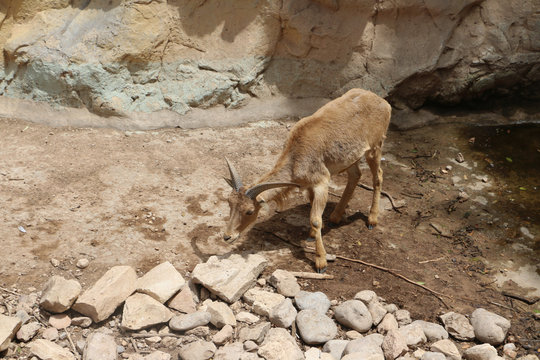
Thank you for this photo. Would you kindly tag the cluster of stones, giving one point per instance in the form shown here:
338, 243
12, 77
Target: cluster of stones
226, 312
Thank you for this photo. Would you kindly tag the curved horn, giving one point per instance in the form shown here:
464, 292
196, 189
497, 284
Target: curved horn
257, 189
236, 181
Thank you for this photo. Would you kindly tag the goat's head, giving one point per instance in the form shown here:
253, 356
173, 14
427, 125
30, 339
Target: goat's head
244, 205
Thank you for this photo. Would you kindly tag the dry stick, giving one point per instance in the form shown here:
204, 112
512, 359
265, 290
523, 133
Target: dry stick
396, 208
311, 275
134, 345
9, 291
432, 260
71, 342
530, 301
143, 336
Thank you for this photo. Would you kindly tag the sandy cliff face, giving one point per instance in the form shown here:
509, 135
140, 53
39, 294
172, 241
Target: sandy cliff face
116, 57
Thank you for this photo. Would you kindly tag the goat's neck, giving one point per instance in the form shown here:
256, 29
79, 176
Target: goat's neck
279, 173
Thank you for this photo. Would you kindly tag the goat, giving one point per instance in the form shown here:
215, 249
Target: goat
328, 142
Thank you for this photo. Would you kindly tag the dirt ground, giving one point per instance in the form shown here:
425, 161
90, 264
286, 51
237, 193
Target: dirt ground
141, 198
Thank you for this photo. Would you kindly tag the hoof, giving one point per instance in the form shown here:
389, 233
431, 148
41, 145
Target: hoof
321, 271
370, 227
310, 239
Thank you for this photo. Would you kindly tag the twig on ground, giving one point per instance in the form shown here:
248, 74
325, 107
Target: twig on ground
134, 344
501, 305
144, 336
9, 291
528, 300
72, 344
311, 275
396, 208
443, 235
414, 196
432, 260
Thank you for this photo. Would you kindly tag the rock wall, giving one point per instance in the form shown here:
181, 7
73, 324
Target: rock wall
122, 57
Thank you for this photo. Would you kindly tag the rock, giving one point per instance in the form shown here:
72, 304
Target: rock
262, 301
45, 349
316, 354
23, 316
28, 331
284, 282
446, 347
161, 282
59, 294
280, 345
197, 350
255, 333
388, 323
489, 327
229, 278
189, 321
81, 321
305, 300
250, 345
82, 263
8, 328
50, 334
366, 296
510, 350
413, 334
354, 314
432, 331
430, 355
362, 356
377, 311
59, 321
157, 355
368, 345
284, 314
221, 314
458, 326
111, 290
142, 311
394, 345
335, 348
417, 354
229, 352
223, 336
528, 357
315, 327
247, 317
391, 308
353, 335
100, 346
403, 317
480, 352
183, 301
199, 331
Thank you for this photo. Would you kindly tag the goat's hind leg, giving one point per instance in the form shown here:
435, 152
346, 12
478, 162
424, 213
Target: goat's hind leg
320, 196
373, 158
353, 178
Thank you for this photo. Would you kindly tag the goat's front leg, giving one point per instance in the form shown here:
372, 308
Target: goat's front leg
320, 195
373, 159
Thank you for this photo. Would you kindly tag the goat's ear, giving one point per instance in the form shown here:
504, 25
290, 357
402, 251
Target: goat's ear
229, 181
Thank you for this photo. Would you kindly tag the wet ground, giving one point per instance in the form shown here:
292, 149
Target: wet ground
469, 230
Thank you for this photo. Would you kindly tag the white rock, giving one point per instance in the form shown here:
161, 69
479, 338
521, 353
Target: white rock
417, 354
8, 328
394, 345
142, 311
81, 321
189, 321
510, 350
403, 317
368, 345
353, 335
50, 334
413, 334
100, 346
458, 326
158, 355
391, 308
528, 357
256, 333
335, 348
82, 263
59, 294
480, 352
446, 347
224, 335
280, 345
197, 350
250, 345
262, 301
430, 355
229, 277
284, 314
161, 282
314, 327
388, 323
221, 314
377, 311
247, 317
183, 301
354, 314
366, 296
229, 352
285, 283
316, 354
432, 331
45, 349
363, 356
305, 300
28, 331
489, 327
111, 290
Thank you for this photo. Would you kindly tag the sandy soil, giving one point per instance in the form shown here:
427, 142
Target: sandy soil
140, 198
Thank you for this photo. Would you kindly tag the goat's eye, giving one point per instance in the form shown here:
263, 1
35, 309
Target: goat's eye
249, 212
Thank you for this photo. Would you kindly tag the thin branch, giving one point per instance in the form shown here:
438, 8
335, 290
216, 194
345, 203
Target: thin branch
144, 336
72, 344
528, 300
432, 260
312, 275
396, 208
9, 291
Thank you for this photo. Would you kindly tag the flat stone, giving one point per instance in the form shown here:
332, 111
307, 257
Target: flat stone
221, 314
50, 334
413, 334
8, 328
82, 263
45, 349
489, 327
250, 345
183, 301
363, 356
284, 314
354, 314
368, 345
142, 311
458, 326
432, 331
247, 317
199, 331
158, 355
229, 278
446, 347
430, 355
305, 300
59, 294
100, 346
388, 323
111, 290
197, 350
480, 352
189, 321
335, 348
377, 311
161, 282
315, 327
224, 335
353, 335
262, 301
510, 350
366, 296
403, 317
280, 345
284, 282
394, 345
230, 352
256, 333
60, 321
391, 308
316, 354
82, 321
28, 331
